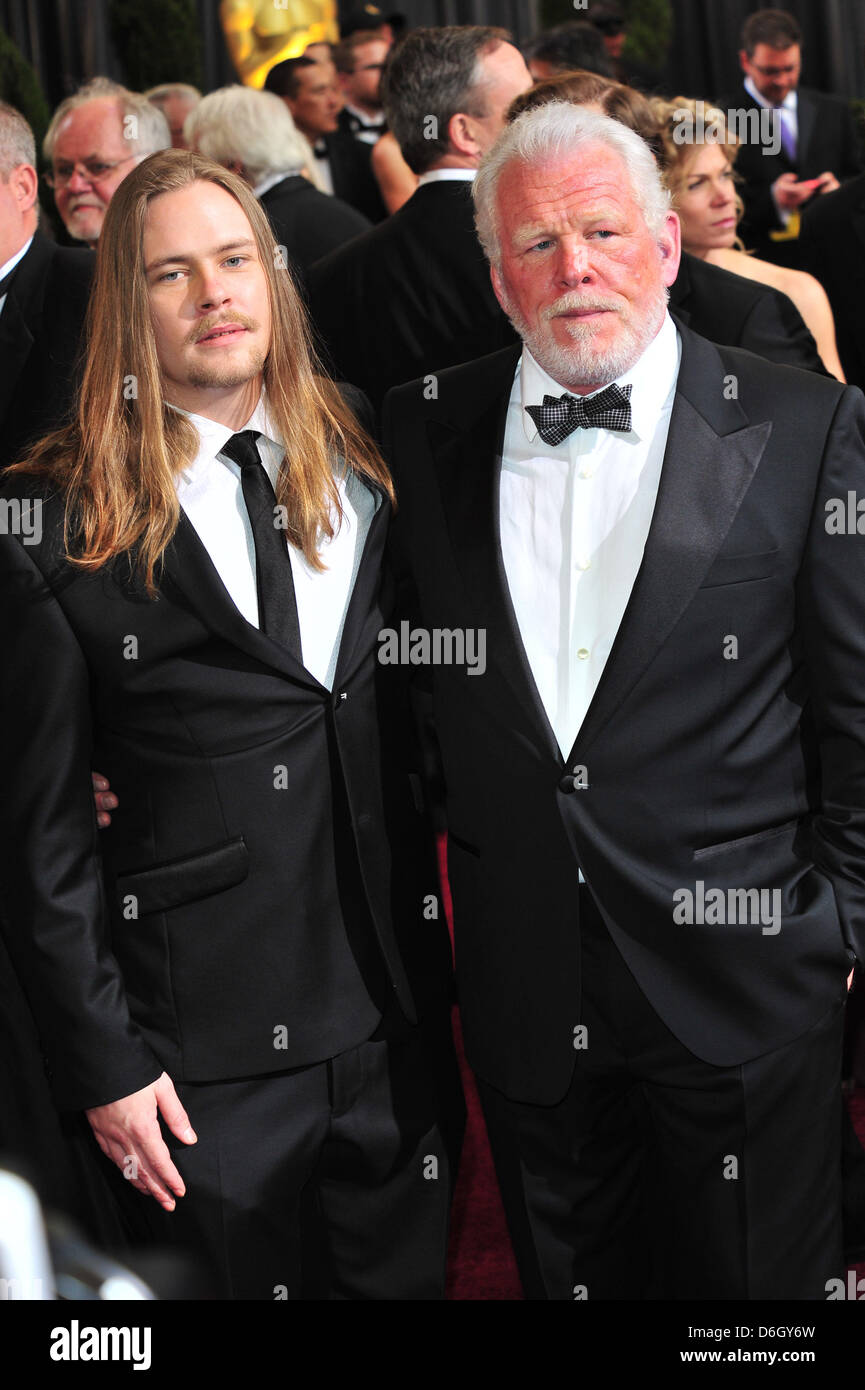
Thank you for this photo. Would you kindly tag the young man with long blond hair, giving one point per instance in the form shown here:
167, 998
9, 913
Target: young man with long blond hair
217, 980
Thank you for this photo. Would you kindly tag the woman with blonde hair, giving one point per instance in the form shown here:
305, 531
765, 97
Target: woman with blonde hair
701, 176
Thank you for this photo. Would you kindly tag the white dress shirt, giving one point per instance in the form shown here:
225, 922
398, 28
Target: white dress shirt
574, 520
10, 265
210, 493
447, 176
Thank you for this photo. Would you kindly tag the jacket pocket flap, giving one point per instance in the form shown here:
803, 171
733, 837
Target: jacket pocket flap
736, 569
187, 879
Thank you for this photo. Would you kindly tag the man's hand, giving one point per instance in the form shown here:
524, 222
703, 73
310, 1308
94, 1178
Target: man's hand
127, 1131
790, 193
827, 183
105, 799
850, 979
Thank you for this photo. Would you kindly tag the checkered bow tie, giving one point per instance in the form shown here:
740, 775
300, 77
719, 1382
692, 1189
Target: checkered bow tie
560, 416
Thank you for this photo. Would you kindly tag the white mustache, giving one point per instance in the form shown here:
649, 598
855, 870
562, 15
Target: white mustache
568, 303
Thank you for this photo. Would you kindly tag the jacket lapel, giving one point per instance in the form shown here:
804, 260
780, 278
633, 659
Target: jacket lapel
189, 569
468, 467
710, 459
364, 617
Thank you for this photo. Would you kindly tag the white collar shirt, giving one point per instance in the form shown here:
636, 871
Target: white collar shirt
574, 519
211, 495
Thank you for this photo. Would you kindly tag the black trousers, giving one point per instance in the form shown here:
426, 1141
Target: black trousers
659, 1176
331, 1181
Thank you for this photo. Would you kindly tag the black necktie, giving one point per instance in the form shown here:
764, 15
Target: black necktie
277, 607
560, 416
319, 149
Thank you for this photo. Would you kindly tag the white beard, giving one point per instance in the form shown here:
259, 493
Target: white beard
581, 364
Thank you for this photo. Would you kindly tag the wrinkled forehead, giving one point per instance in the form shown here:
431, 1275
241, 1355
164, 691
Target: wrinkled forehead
566, 188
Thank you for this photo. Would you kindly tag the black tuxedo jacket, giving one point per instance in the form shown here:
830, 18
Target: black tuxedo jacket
207, 930
411, 297
40, 331
353, 179
832, 241
697, 767
737, 312
826, 140
309, 223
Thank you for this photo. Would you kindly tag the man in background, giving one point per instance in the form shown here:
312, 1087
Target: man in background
311, 92
806, 148
43, 299
359, 61
175, 100
95, 138
413, 295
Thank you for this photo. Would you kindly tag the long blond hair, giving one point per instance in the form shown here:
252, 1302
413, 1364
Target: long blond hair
118, 457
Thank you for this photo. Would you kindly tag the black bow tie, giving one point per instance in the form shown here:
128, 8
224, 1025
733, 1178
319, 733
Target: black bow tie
319, 149
560, 416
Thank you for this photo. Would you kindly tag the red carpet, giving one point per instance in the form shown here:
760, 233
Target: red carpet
480, 1260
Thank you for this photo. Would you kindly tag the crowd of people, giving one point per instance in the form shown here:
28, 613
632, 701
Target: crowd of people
438, 339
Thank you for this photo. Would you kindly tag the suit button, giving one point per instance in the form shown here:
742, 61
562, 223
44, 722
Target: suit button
567, 784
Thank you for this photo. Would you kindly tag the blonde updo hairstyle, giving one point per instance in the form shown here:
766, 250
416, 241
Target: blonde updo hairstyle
675, 156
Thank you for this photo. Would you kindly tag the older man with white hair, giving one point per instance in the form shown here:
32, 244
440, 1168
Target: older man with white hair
252, 133
655, 792
95, 138
43, 298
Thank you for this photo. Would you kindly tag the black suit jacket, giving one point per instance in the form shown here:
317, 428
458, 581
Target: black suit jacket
40, 331
202, 932
411, 297
826, 140
833, 248
353, 178
309, 223
737, 312
698, 768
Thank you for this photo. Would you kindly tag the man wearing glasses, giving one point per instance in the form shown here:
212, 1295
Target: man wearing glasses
817, 147
95, 138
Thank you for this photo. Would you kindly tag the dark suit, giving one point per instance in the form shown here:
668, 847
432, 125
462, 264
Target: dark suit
40, 330
248, 921
729, 309
833, 248
696, 768
353, 179
309, 223
411, 297
826, 141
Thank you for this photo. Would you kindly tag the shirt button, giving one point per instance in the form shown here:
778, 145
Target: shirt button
586, 472
584, 563
583, 653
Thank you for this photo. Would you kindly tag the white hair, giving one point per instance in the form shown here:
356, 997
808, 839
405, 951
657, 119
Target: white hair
166, 90
151, 127
17, 145
239, 125
556, 131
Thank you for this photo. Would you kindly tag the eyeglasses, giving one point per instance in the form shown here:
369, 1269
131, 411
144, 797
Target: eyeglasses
94, 170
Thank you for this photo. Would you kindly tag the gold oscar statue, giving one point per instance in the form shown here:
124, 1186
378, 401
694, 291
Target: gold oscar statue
260, 33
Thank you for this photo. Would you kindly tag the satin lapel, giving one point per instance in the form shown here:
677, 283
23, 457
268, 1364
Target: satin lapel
189, 568
468, 468
709, 462
364, 618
